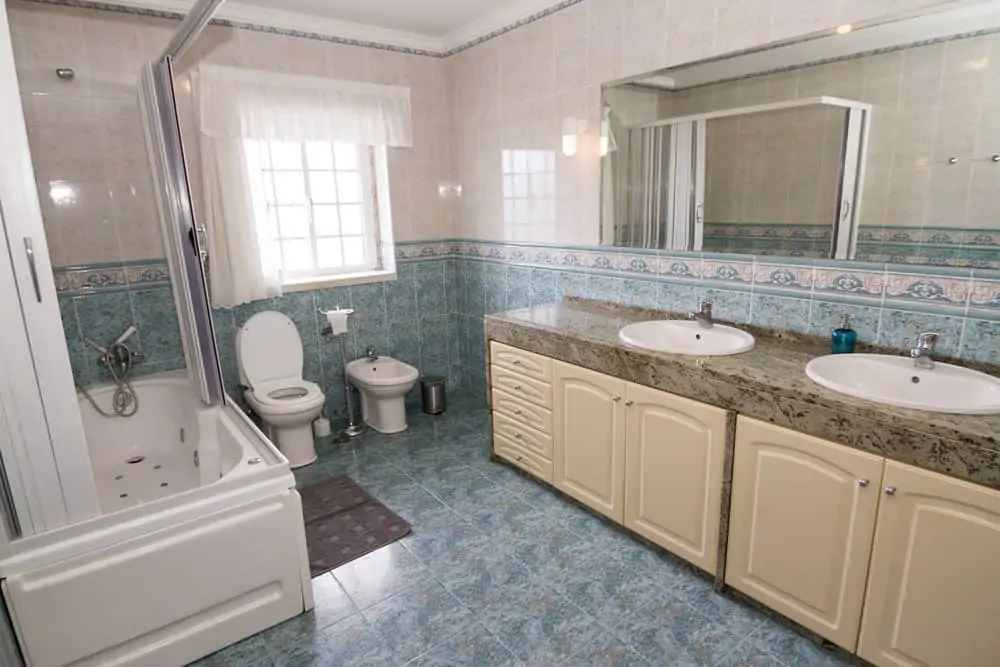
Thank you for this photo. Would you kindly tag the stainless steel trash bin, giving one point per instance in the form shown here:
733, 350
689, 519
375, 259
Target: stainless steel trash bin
432, 389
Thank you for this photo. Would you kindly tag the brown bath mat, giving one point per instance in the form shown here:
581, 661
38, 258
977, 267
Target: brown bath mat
343, 522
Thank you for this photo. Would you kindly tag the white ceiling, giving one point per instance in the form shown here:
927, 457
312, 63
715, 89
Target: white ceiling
432, 25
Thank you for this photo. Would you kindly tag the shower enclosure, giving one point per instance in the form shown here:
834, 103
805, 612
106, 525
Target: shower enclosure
141, 517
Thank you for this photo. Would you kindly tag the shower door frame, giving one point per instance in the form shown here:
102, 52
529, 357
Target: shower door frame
183, 236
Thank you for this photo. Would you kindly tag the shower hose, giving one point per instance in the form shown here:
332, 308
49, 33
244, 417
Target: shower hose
125, 401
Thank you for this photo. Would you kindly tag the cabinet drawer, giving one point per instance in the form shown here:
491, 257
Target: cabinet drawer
529, 438
529, 363
523, 458
532, 391
537, 418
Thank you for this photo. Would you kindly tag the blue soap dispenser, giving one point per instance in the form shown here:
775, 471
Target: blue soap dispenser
845, 338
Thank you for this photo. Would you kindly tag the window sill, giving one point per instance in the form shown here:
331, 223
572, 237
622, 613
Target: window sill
322, 282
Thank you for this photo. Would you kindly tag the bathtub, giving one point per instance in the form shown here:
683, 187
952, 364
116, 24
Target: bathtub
200, 542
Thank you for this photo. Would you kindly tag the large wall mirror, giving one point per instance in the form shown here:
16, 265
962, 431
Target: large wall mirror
874, 143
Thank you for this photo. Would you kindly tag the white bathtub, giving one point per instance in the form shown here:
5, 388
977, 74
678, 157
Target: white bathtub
168, 447
191, 554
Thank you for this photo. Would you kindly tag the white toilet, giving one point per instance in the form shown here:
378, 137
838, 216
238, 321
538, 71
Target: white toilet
383, 384
269, 354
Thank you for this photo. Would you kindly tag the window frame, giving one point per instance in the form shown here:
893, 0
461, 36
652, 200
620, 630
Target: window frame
370, 170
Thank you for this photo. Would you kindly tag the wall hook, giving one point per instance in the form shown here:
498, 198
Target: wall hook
995, 158
66, 73
953, 160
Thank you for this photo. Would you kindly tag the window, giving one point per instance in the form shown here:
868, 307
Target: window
315, 207
529, 192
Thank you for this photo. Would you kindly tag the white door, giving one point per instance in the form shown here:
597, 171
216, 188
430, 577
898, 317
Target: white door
589, 438
934, 588
674, 454
800, 532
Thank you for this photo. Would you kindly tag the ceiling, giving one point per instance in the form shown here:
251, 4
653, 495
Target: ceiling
431, 25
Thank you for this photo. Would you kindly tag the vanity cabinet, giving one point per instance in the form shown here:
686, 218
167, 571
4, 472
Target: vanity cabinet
895, 563
674, 456
589, 442
803, 513
934, 589
647, 459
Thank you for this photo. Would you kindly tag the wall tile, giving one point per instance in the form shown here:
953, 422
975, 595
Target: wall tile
780, 312
432, 298
981, 341
543, 286
899, 329
643, 293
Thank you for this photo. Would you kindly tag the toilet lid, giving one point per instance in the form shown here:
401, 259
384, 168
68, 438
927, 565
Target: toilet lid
269, 349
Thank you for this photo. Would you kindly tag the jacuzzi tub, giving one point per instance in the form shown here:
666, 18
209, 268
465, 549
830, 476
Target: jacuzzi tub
200, 544
158, 452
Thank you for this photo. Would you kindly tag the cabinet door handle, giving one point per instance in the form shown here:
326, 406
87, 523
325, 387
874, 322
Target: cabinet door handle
863, 483
890, 490
29, 250
517, 387
519, 436
518, 458
516, 362
616, 398
517, 411
629, 404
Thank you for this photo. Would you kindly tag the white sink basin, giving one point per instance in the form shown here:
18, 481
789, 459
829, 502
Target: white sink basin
681, 337
895, 381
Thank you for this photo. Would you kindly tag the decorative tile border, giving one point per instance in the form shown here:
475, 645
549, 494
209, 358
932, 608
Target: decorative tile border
948, 289
110, 277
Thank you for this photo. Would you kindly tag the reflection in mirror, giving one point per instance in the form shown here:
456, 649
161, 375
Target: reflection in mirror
877, 143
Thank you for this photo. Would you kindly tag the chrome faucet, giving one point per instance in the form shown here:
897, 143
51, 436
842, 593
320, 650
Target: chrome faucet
704, 315
923, 350
371, 354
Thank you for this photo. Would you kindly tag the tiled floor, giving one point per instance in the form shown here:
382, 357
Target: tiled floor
499, 571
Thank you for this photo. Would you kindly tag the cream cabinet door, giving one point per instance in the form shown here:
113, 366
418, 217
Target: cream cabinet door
589, 438
934, 588
800, 534
674, 454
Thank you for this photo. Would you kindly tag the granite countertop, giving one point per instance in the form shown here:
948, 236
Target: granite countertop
767, 383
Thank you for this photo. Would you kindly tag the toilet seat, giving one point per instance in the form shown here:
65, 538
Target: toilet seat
282, 398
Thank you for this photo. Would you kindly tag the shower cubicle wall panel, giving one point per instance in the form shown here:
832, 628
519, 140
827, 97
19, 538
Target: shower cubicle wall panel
44, 448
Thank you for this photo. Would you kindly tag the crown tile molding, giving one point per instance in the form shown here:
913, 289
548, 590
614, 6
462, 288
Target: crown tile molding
309, 26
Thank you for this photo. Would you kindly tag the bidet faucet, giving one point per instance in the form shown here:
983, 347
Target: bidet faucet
704, 315
923, 350
371, 354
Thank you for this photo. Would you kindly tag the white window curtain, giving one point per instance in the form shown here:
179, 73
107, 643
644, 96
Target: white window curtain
234, 105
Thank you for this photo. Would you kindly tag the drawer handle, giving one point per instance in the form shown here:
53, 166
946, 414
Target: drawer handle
616, 398
518, 458
517, 387
516, 362
517, 411
519, 436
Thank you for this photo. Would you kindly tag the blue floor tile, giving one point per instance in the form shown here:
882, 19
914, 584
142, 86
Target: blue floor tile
417, 619
473, 647
375, 577
791, 648
667, 631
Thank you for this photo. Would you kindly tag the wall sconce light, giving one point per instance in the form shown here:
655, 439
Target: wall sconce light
571, 131
607, 142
